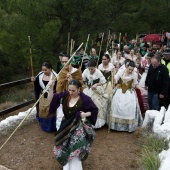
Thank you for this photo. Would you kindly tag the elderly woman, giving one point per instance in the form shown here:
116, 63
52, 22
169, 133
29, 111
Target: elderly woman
75, 134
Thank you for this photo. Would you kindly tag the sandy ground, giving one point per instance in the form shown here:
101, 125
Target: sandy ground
32, 149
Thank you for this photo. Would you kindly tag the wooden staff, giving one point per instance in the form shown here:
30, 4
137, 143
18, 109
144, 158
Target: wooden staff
31, 63
112, 49
119, 41
85, 50
100, 49
68, 44
119, 37
108, 40
137, 37
112, 84
71, 46
32, 71
45, 90
117, 64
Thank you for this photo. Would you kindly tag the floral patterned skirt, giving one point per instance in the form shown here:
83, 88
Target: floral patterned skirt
77, 145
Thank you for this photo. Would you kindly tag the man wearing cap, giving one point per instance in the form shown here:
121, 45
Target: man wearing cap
166, 62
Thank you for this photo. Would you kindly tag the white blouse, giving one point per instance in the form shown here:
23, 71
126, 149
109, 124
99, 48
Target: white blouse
91, 77
121, 74
115, 61
108, 68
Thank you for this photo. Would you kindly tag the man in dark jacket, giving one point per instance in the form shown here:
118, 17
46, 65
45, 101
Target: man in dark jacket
157, 82
166, 61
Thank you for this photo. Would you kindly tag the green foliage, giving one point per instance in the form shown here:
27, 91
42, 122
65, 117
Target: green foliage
150, 149
48, 24
150, 160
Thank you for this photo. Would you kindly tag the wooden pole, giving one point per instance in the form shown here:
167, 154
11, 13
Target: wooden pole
100, 49
85, 50
112, 81
107, 40
45, 90
119, 41
119, 37
32, 71
112, 48
137, 37
71, 46
31, 63
68, 43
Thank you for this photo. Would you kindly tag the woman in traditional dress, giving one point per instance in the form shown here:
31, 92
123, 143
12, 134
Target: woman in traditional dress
40, 83
95, 80
138, 63
75, 133
106, 67
132, 55
125, 111
118, 60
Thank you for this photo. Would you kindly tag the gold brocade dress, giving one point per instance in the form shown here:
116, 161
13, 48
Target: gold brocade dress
125, 110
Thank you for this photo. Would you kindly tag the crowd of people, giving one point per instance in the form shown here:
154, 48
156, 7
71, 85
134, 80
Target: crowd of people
114, 89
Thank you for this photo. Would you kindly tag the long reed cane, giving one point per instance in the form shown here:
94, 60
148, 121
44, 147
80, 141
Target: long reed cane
32, 71
120, 38
100, 49
71, 46
85, 50
108, 40
31, 63
37, 101
111, 107
68, 43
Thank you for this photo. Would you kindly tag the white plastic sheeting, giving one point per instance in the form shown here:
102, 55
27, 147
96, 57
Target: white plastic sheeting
161, 126
12, 121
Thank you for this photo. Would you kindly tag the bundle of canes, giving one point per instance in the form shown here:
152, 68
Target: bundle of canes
85, 50
111, 107
45, 90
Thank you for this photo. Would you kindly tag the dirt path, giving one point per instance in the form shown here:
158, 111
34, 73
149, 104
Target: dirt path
32, 149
